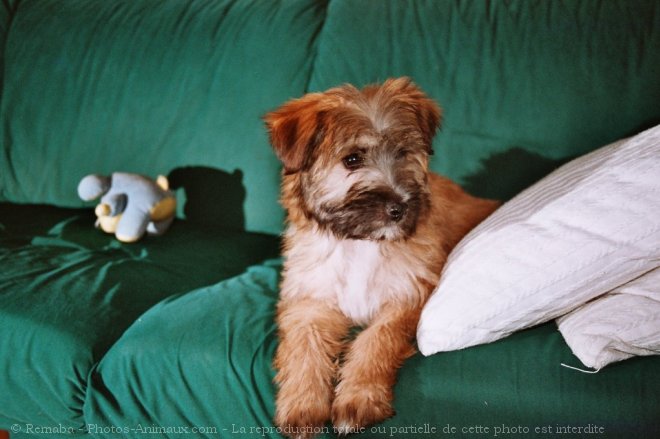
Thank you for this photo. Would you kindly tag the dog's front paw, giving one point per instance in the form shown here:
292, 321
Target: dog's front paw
301, 423
302, 413
357, 406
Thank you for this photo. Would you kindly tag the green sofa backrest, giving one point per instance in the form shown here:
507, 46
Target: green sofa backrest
525, 85
178, 87
152, 87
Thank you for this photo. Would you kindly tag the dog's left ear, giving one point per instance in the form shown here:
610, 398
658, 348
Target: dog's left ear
429, 117
296, 129
427, 111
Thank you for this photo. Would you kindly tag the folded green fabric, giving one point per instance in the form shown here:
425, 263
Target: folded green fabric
121, 341
199, 361
200, 364
68, 292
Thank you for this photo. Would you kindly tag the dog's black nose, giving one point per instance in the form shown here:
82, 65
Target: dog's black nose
395, 210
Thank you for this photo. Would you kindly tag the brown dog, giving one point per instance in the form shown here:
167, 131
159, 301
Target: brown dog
369, 229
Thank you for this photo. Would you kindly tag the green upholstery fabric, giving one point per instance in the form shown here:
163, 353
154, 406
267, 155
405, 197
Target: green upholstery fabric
202, 361
149, 87
215, 345
7, 9
176, 332
68, 292
524, 85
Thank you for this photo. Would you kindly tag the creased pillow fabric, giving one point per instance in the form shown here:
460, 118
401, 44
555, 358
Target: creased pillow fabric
585, 229
623, 323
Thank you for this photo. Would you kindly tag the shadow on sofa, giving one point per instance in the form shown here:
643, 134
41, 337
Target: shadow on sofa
212, 196
502, 177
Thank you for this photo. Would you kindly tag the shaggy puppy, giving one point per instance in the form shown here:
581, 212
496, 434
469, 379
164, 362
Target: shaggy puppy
369, 229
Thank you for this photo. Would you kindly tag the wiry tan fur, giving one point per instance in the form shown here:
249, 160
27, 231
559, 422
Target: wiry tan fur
347, 262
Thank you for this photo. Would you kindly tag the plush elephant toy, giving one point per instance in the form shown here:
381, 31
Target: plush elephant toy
130, 204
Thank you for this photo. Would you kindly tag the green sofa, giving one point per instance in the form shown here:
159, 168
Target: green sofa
173, 336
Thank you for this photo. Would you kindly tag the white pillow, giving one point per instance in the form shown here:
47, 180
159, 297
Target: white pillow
587, 228
623, 323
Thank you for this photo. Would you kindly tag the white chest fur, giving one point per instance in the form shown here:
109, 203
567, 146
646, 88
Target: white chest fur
360, 295
358, 276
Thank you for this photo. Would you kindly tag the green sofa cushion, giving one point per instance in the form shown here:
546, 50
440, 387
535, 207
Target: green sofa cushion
68, 292
525, 85
203, 361
213, 345
148, 87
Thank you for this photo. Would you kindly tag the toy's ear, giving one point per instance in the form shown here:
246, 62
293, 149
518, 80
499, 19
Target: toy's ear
163, 183
93, 186
427, 111
296, 129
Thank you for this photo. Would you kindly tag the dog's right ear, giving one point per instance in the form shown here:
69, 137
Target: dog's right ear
296, 129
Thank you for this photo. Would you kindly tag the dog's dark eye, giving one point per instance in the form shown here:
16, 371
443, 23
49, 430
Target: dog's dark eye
353, 161
402, 154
